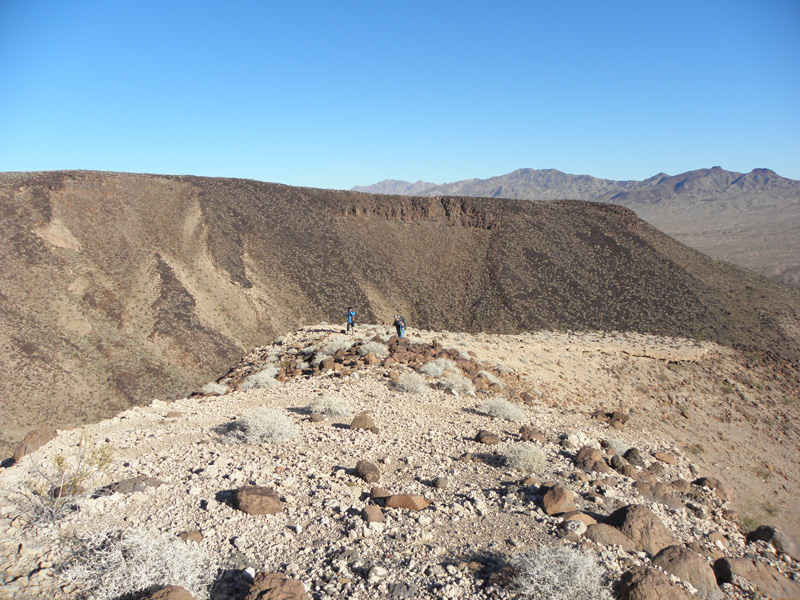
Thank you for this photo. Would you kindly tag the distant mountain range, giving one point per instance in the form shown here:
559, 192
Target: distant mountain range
751, 219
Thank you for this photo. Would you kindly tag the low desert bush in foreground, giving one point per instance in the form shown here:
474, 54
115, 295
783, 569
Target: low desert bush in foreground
262, 379
263, 426
413, 383
559, 573
502, 409
53, 490
330, 406
525, 457
112, 565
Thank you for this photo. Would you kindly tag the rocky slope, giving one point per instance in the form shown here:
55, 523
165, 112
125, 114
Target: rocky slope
117, 288
746, 218
707, 434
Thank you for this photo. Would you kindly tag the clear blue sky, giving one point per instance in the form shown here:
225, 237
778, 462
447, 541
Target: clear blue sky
340, 93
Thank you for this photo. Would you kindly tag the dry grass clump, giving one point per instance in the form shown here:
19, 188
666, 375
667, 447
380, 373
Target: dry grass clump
525, 457
502, 409
262, 426
559, 573
413, 383
438, 367
111, 565
330, 406
214, 388
54, 490
262, 379
457, 383
378, 349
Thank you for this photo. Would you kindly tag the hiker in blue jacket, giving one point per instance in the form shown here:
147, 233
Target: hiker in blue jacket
399, 324
351, 319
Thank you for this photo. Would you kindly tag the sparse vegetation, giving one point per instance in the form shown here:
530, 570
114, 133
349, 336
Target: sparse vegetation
413, 383
696, 449
502, 409
378, 349
338, 342
214, 388
491, 377
330, 406
262, 379
525, 457
440, 366
456, 382
54, 490
559, 573
262, 426
111, 565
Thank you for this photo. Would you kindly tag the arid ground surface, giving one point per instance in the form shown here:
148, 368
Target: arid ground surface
717, 412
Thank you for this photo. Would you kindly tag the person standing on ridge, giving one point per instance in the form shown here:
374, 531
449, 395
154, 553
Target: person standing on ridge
400, 324
351, 319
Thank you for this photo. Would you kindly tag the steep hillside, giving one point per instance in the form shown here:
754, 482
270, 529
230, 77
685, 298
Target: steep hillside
118, 288
750, 219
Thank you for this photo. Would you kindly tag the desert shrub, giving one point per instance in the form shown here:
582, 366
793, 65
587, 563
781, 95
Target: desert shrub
502, 409
456, 382
438, 367
525, 457
262, 426
214, 388
331, 406
559, 573
55, 489
491, 377
111, 565
262, 379
319, 356
413, 383
380, 350
338, 342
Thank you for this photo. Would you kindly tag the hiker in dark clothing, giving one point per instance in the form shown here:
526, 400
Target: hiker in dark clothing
399, 324
351, 319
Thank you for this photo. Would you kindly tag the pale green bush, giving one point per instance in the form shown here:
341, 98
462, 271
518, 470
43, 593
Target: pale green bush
214, 388
263, 426
456, 382
525, 457
413, 383
110, 565
262, 379
503, 409
438, 367
331, 406
378, 349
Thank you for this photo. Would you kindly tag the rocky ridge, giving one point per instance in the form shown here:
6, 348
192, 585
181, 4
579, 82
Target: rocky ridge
435, 513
